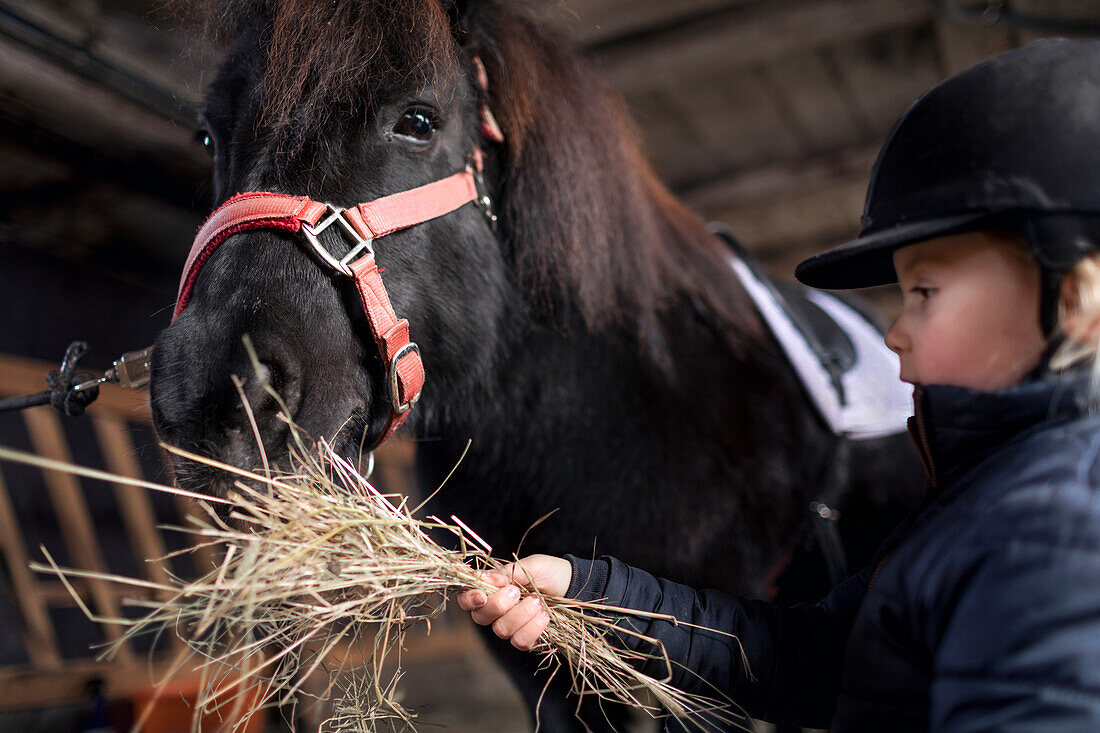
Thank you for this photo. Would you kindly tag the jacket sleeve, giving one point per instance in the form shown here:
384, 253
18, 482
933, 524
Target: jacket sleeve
783, 664
1020, 643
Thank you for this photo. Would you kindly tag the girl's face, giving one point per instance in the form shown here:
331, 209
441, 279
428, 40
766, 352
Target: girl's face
970, 311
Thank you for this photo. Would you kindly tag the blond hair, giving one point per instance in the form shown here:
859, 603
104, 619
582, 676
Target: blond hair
1079, 321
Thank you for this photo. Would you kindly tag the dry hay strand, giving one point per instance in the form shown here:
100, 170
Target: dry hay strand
316, 559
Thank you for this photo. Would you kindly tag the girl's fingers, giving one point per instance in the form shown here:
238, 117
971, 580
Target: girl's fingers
497, 578
527, 636
496, 605
503, 608
517, 617
549, 574
516, 574
471, 600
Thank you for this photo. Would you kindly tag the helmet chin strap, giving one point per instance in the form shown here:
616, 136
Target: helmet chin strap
1042, 367
1050, 293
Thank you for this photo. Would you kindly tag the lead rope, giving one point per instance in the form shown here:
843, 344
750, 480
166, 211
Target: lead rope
70, 392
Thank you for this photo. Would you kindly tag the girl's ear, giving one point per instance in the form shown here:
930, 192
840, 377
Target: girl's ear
1069, 301
1079, 304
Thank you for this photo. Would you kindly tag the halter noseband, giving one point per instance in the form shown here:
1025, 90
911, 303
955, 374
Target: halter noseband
363, 224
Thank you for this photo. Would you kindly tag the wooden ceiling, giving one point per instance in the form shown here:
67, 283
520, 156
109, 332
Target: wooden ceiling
763, 113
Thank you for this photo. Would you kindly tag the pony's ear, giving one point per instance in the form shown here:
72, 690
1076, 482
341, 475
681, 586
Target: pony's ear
459, 12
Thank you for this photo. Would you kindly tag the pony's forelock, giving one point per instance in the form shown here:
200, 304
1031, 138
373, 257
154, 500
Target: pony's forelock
326, 56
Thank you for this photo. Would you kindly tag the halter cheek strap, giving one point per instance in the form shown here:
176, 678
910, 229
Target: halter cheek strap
363, 224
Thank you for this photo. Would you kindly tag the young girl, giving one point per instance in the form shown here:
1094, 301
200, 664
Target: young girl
982, 610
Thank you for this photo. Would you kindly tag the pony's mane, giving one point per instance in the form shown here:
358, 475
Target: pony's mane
589, 223
592, 231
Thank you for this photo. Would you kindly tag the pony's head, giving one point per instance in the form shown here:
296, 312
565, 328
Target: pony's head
348, 102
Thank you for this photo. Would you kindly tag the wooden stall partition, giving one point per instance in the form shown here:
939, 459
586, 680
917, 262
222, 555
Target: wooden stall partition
51, 677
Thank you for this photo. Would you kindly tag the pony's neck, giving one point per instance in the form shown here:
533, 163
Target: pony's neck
693, 343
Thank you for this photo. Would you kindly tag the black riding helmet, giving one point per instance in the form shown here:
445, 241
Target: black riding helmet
1012, 143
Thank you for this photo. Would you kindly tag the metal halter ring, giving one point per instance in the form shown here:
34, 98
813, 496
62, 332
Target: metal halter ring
395, 392
361, 243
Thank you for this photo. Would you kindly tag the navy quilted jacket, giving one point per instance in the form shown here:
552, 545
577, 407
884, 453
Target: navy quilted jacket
981, 612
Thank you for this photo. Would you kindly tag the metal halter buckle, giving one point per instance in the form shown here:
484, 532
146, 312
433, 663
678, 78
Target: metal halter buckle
483, 200
360, 243
395, 391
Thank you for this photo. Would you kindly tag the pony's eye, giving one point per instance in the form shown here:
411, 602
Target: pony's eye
416, 124
206, 140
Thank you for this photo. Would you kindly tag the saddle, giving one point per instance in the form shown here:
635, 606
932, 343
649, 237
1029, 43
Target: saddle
851, 378
836, 349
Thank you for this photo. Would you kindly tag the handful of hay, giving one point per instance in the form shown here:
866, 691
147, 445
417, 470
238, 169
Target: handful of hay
315, 559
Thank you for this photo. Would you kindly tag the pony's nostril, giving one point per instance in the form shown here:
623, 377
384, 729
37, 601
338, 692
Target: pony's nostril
257, 383
263, 373
269, 386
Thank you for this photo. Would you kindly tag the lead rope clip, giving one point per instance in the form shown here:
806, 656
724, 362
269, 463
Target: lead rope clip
70, 392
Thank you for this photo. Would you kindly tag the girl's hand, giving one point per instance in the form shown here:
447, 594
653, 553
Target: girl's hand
521, 621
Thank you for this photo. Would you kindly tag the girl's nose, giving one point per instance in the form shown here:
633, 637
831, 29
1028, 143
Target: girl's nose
895, 337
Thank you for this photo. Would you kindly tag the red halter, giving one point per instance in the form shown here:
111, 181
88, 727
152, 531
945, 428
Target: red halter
363, 223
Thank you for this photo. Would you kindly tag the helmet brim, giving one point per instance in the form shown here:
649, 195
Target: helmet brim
869, 260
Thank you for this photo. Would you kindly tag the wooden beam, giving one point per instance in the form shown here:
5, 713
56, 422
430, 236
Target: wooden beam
33, 687
782, 181
22, 168
815, 219
887, 72
38, 638
595, 22
1029, 20
750, 35
742, 127
23, 687
963, 44
75, 109
67, 497
122, 52
29, 687
204, 556
133, 502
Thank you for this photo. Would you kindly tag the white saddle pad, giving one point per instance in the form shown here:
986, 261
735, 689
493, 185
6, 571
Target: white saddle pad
875, 402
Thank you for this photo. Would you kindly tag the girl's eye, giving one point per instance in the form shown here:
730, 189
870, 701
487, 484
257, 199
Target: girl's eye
415, 124
924, 293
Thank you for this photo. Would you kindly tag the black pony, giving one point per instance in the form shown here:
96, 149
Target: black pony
593, 343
